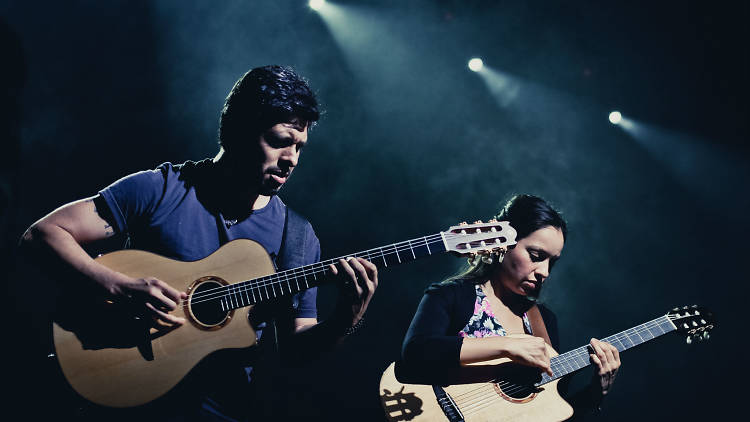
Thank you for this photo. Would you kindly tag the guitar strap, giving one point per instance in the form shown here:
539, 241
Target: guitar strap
537, 324
269, 388
291, 255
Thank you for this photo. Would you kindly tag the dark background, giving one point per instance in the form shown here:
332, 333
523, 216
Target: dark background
413, 142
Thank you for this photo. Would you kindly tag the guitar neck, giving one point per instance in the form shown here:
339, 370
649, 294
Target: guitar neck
293, 281
577, 359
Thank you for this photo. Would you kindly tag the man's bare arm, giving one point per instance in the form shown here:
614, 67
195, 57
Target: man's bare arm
63, 231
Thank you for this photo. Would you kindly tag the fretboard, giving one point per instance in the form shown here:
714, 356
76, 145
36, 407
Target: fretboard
576, 359
293, 281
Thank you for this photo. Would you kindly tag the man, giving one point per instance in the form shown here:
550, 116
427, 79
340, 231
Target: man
186, 212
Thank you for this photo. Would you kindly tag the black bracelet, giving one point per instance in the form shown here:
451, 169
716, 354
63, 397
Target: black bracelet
354, 328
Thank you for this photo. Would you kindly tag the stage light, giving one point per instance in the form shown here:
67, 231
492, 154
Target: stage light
316, 4
615, 117
476, 64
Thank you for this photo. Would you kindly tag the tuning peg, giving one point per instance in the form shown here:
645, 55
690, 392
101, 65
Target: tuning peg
689, 339
478, 222
463, 223
706, 336
493, 220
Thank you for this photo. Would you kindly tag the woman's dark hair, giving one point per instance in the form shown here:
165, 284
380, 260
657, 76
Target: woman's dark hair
529, 213
261, 98
526, 214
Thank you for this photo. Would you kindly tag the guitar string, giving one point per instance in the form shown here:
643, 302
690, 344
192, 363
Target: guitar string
397, 247
470, 407
581, 354
558, 362
485, 400
479, 396
321, 267
316, 268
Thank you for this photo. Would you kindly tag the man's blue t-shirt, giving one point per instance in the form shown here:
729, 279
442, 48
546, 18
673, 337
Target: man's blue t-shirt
161, 211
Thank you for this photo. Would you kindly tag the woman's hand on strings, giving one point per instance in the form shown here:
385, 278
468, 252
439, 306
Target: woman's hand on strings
528, 350
607, 359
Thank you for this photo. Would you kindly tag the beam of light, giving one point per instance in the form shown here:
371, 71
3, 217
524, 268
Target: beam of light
374, 51
615, 117
503, 87
316, 4
707, 169
476, 64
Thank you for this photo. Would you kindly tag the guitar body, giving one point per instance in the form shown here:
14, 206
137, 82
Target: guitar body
500, 390
476, 402
116, 360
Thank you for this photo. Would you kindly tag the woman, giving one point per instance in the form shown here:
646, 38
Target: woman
468, 318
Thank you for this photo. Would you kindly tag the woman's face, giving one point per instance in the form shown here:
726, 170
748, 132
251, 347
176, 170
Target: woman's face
528, 264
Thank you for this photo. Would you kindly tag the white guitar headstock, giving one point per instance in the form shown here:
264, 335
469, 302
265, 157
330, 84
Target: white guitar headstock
694, 321
478, 238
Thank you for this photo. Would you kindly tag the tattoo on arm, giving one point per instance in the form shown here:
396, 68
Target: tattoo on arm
108, 230
96, 210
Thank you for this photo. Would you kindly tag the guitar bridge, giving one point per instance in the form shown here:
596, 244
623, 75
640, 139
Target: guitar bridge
449, 407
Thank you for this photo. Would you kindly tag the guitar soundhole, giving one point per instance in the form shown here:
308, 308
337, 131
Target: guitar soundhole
205, 304
517, 393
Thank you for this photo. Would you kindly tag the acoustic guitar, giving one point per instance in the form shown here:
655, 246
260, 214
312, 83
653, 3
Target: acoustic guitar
511, 395
114, 359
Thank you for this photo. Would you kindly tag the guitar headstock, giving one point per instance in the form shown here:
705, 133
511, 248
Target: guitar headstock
694, 321
479, 238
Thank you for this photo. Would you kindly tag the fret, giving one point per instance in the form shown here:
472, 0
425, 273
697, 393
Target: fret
618, 343
582, 359
237, 297
576, 359
626, 340
299, 279
412, 250
385, 261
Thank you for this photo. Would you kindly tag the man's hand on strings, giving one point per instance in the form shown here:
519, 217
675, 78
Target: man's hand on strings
358, 281
151, 298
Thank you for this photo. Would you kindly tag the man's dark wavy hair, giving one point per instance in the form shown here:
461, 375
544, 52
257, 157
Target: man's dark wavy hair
261, 98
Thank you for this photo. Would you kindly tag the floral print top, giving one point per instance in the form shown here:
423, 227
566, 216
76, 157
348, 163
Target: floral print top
483, 322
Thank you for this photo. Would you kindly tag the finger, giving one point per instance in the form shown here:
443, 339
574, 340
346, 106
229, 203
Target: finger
597, 346
351, 274
169, 291
363, 277
372, 270
616, 354
609, 356
165, 317
603, 358
163, 302
597, 362
546, 366
334, 270
360, 271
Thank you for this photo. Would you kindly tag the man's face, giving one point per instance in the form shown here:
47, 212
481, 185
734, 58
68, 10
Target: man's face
280, 147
